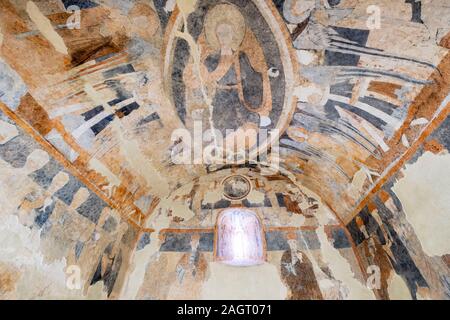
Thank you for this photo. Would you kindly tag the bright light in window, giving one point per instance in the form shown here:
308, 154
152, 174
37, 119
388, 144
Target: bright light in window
239, 239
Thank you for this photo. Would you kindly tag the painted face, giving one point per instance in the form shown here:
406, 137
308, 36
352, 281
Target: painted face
224, 34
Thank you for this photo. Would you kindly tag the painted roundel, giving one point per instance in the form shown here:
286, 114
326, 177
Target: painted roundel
236, 187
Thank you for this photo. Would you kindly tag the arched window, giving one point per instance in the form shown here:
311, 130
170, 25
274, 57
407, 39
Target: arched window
239, 239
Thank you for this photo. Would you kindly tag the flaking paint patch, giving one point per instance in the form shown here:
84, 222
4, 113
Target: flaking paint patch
99, 167
397, 288
131, 151
178, 208
305, 57
97, 291
176, 205
45, 27
12, 88
136, 274
342, 269
186, 6
428, 211
255, 197
212, 196
7, 132
247, 283
142, 258
358, 180
21, 248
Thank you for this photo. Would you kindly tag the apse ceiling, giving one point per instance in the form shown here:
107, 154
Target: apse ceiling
352, 86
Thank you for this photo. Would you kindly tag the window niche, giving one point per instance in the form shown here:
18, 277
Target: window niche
239, 238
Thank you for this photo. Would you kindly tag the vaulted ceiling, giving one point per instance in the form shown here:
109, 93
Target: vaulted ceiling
353, 93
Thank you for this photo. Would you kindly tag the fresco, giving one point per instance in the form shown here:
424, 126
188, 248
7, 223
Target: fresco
98, 97
240, 65
50, 222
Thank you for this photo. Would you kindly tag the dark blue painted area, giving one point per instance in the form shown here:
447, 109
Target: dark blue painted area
416, 7
66, 193
105, 57
340, 59
143, 241
180, 60
334, 3
82, 4
279, 5
403, 263
221, 204
347, 59
442, 134
78, 249
384, 106
176, 242
162, 14
359, 36
400, 258
100, 126
356, 234
125, 111
332, 113
108, 273
306, 239
181, 242
212, 62
153, 117
92, 113
45, 175
118, 71
342, 89
252, 82
371, 225
16, 151
92, 208
340, 239
43, 214
311, 239
122, 94
206, 243
280, 200
276, 241
110, 224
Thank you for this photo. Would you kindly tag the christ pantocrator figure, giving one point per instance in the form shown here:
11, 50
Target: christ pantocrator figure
234, 73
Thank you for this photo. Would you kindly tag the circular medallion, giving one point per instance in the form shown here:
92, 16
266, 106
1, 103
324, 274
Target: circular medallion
236, 187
